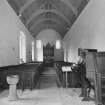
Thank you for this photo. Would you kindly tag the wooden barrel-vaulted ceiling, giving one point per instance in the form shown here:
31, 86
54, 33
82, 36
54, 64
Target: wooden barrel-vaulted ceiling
48, 14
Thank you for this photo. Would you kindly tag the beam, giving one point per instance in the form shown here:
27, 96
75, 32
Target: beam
46, 19
61, 6
67, 2
38, 12
35, 33
26, 6
48, 15
40, 26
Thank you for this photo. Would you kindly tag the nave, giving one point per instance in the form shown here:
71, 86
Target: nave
46, 93
51, 31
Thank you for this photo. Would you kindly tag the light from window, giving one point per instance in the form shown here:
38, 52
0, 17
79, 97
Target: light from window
39, 50
33, 51
38, 43
58, 44
22, 47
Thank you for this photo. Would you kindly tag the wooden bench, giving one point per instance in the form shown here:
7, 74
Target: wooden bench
72, 78
28, 74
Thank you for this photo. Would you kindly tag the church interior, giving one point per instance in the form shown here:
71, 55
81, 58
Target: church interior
52, 52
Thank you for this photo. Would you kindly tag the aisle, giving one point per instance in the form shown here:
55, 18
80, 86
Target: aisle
48, 79
47, 94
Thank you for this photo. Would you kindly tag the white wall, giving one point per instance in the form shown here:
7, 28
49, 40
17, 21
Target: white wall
29, 47
10, 27
48, 35
88, 31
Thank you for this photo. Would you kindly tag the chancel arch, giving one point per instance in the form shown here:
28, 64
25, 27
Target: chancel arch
49, 38
48, 24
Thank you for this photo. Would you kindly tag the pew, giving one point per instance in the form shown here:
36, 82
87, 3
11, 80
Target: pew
95, 72
28, 75
72, 77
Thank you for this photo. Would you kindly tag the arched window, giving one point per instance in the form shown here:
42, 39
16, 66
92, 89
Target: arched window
38, 44
33, 51
39, 49
58, 44
22, 46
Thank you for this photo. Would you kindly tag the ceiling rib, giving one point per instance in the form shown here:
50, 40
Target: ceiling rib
25, 6
62, 7
44, 11
47, 27
48, 15
55, 14
75, 11
65, 1
46, 19
33, 8
42, 25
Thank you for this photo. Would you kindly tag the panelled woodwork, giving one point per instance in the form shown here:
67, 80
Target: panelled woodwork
28, 75
96, 74
72, 77
48, 50
89, 76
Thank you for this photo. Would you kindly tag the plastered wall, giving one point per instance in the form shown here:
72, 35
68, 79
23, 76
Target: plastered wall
48, 35
88, 31
10, 27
